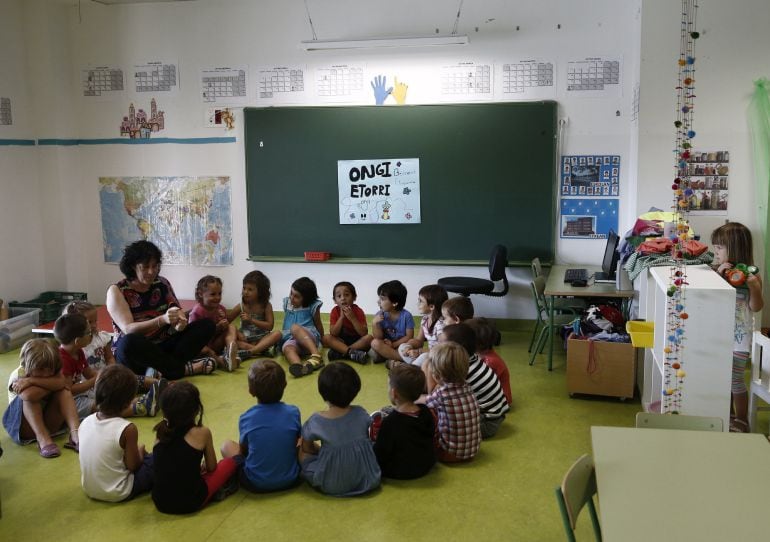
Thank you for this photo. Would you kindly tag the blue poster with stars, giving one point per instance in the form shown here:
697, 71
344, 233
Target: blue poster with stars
588, 218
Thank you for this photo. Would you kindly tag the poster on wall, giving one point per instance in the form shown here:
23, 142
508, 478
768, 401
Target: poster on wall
156, 77
6, 119
588, 218
594, 175
383, 191
189, 218
281, 84
709, 172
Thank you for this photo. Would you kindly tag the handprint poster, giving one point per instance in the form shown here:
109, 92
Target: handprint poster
379, 191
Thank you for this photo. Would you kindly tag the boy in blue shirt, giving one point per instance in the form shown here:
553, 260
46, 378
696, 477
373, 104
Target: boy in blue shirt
269, 432
393, 324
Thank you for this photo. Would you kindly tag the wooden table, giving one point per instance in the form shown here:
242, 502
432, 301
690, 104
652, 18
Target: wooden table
665, 484
556, 287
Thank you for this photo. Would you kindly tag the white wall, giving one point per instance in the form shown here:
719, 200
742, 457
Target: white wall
217, 32
22, 255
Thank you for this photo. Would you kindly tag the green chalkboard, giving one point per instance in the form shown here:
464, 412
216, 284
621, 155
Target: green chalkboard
487, 176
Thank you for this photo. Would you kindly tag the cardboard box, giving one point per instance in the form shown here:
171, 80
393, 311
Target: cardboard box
601, 368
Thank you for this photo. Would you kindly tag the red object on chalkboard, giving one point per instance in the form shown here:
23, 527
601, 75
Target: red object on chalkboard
317, 256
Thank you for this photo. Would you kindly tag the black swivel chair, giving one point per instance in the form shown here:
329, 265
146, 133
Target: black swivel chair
466, 286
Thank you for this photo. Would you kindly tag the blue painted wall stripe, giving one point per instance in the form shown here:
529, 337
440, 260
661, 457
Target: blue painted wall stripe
120, 141
23, 142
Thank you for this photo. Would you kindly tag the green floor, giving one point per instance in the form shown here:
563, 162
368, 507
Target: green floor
505, 494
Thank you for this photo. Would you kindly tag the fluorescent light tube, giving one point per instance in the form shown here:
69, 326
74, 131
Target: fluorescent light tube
370, 43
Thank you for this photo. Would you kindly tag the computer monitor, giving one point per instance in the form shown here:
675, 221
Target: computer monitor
611, 256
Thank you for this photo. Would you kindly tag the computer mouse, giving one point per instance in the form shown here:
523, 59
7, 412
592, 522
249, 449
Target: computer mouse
581, 283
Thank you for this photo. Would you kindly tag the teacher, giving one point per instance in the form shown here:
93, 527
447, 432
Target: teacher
151, 329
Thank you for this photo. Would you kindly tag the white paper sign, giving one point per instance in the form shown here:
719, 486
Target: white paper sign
379, 191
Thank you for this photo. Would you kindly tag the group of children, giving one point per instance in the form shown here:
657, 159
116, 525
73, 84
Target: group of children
444, 398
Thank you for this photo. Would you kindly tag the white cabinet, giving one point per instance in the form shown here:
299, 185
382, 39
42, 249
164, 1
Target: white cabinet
708, 340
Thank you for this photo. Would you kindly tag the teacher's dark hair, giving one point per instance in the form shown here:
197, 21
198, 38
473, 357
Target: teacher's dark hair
136, 253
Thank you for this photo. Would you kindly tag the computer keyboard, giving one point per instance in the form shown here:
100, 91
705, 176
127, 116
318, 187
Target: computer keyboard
571, 275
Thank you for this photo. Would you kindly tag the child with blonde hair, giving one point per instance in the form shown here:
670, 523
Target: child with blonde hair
114, 467
222, 346
344, 464
733, 245
458, 428
256, 314
349, 334
39, 400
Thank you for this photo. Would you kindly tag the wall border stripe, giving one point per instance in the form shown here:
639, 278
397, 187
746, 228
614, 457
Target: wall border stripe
119, 141
22, 142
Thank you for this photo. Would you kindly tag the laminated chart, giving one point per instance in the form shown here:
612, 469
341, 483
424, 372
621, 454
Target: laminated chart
155, 76
280, 83
525, 76
339, 82
101, 81
467, 80
595, 76
5, 112
224, 85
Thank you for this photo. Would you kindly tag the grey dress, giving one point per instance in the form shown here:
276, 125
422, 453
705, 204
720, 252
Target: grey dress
346, 464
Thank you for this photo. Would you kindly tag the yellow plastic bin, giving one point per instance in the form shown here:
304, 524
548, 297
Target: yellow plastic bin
641, 332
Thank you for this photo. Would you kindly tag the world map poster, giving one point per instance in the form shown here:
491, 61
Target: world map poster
188, 218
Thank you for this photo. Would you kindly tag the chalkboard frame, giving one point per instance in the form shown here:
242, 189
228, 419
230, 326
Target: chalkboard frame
505, 153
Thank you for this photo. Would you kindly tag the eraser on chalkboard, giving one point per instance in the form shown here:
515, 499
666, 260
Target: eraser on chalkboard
316, 256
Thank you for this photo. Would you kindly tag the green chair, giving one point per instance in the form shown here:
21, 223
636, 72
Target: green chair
652, 420
577, 490
561, 304
543, 329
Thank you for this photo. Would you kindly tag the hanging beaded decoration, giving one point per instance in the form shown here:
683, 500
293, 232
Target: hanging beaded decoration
676, 315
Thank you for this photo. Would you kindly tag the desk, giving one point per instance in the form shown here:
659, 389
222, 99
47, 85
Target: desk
556, 287
665, 484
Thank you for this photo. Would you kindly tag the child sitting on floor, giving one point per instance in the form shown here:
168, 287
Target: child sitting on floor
481, 379
486, 336
393, 325
344, 464
222, 346
429, 302
256, 314
403, 436
269, 432
39, 400
348, 335
73, 332
456, 310
114, 467
458, 426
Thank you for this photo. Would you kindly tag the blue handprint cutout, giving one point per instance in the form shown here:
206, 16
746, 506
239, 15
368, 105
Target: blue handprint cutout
380, 92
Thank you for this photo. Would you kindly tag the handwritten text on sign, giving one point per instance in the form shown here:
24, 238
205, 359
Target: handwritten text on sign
379, 191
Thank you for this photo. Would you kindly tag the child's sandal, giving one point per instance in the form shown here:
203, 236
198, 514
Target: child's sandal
298, 370
49, 451
315, 361
71, 444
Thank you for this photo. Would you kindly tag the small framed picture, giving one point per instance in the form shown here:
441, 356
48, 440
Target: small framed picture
582, 160
582, 191
614, 190
590, 191
606, 160
606, 174
590, 160
565, 190
616, 159
614, 172
574, 160
573, 190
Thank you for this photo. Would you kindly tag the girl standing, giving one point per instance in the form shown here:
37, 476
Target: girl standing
256, 313
185, 448
208, 294
429, 301
345, 463
732, 245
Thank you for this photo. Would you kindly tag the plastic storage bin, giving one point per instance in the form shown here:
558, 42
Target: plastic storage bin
50, 303
18, 328
641, 332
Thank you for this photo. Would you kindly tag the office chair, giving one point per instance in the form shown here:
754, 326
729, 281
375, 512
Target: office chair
577, 490
496, 286
653, 420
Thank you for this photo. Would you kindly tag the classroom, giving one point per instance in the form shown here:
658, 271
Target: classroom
59, 145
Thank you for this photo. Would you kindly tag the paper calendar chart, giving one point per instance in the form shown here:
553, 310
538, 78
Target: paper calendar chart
467, 80
224, 85
340, 82
280, 84
101, 81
